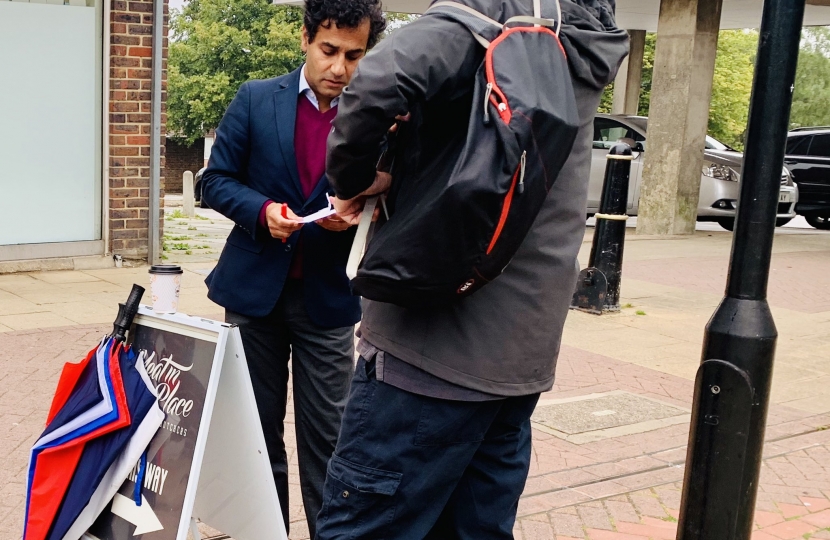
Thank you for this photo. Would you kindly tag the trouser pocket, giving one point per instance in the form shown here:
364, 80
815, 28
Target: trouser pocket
358, 501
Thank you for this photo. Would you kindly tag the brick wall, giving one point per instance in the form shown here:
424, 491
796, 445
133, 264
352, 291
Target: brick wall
130, 110
180, 158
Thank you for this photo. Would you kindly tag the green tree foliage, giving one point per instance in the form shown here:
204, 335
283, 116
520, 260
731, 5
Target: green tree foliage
732, 83
811, 97
648, 70
732, 86
216, 46
607, 99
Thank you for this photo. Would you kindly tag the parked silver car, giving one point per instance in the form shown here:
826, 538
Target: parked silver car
719, 182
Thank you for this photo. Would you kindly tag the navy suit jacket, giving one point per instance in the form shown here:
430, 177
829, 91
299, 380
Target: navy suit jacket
252, 160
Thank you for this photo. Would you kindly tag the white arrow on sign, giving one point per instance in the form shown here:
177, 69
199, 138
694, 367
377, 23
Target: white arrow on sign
142, 517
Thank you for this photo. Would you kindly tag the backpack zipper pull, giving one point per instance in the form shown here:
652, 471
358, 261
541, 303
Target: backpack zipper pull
521, 187
487, 92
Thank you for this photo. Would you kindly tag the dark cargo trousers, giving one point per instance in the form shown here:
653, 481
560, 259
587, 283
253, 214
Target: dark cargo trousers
414, 467
322, 361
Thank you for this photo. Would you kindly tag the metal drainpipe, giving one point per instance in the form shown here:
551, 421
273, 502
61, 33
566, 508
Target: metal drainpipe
105, 128
153, 255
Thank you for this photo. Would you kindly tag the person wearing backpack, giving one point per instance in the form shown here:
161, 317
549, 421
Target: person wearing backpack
458, 338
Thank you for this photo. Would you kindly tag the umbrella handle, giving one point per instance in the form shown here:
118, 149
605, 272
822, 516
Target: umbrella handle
126, 313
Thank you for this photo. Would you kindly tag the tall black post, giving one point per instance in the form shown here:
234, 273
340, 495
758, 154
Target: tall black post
733, 381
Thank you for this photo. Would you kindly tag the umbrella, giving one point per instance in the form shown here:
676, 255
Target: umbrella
56, 454
107, 461
103, 411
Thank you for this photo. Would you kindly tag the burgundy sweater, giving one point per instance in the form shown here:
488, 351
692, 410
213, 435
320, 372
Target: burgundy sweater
310, 133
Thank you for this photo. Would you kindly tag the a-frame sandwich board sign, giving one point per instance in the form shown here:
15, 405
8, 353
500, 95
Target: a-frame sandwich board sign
208, 461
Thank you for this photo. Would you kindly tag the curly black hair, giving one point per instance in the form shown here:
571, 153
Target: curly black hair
345, 14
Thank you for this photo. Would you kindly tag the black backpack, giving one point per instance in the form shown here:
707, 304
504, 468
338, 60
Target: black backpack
469, 226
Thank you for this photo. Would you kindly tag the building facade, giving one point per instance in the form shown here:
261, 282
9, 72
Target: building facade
75, 148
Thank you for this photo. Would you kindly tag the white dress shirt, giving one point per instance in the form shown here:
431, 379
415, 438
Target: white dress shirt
306, 90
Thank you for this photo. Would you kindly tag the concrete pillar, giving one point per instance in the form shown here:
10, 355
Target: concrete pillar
684, 65
188, 201
208, 146
630, 77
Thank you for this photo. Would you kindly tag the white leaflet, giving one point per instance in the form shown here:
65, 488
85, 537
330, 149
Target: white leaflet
324, 213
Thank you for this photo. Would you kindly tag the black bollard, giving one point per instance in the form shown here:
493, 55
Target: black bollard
598, 285
733, 382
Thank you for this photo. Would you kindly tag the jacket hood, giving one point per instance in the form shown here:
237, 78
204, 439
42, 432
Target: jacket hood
589, 33
595, 46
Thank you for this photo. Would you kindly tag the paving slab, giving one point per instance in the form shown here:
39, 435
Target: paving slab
29, 321
15, 305
61, 277
598, 412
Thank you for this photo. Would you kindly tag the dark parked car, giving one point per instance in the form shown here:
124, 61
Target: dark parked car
197, 188
808, 159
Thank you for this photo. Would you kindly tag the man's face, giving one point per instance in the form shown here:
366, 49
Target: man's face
332, 57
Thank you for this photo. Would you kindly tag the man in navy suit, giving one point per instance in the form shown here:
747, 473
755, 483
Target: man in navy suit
281, 280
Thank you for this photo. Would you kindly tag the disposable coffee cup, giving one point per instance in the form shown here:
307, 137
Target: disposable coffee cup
165, 282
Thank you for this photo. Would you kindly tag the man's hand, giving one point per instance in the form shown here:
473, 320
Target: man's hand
349, 211
281, 227
333, 223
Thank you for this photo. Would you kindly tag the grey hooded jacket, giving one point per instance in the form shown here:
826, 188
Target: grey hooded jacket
505, 338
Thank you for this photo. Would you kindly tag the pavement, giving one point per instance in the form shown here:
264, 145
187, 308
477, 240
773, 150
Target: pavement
609, 439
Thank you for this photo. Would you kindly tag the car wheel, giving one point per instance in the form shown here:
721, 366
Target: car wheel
727, 223
819, 221
780, 222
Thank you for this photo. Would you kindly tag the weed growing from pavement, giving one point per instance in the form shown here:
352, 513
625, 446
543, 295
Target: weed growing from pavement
640, 312
174, 238
180, 247
192, 228
628, 306
203, 218
177, 214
